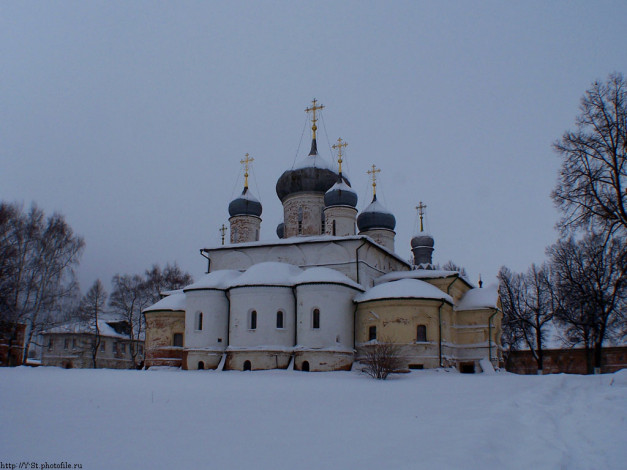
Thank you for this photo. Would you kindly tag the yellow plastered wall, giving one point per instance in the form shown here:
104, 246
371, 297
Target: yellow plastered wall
397, 320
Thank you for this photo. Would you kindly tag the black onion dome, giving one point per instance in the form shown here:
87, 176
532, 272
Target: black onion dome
311, 174
422, 240
375, 216
280, 230
340, 194
246, 204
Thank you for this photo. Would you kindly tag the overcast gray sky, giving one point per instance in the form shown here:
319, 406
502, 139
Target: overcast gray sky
130, 118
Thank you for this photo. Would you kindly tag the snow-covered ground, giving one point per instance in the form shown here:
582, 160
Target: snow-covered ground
164, 419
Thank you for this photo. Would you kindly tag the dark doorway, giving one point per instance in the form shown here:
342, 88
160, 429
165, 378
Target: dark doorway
305, 366
247, 365
201, 365
68, 365
467, 368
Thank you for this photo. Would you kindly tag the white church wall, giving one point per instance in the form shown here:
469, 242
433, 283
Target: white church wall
337, 254
213, 305
266, 302
336, 316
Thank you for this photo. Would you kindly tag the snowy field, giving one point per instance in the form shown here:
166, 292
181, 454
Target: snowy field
166, 419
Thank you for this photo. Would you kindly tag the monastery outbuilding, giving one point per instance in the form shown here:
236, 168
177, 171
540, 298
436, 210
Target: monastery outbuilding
326, 290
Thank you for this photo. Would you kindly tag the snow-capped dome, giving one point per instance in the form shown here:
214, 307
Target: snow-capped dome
310, 174
404, 289
422, 239
245, 204
269, 273
375, 216
340, 194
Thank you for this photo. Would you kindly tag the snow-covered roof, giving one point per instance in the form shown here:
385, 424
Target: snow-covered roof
269, 273
341, 186
321, 274
312, 161
78, 327
475, 299
173, 302
248, 195
404, 289
304, 240
220, 279
376, 206
420, 274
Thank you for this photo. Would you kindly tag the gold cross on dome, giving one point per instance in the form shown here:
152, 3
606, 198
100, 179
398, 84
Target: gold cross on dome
339, 146
245, 162
313, 110
421, 210
374, 172
223, 231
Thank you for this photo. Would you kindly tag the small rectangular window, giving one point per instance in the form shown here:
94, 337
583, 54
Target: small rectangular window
372, 333
50, 344
177, 340
279, 319
421, 334
66, 344
123, 348
73, 343
253, 320
103, 346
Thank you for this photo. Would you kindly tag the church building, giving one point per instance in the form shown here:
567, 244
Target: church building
328, 288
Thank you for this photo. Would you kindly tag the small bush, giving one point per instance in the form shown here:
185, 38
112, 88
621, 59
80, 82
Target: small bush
381, 360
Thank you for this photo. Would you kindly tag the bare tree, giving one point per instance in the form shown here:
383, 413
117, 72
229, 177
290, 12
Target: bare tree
132, 293
451, 266
382, 359
91, 309
591, 290
129, 297
37, 260
528, 308
170, 278
592, 186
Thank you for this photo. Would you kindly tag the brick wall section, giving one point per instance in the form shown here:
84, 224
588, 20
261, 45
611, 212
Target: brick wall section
568, 361
244, 228
312, 205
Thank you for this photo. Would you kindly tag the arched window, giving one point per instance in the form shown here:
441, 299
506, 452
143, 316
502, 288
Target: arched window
333, 225
323, 222
247, 365
201, 365
253, 320
177, 340
372, 333
316, 318
421, 334
279, 319
300, 220
199, 321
